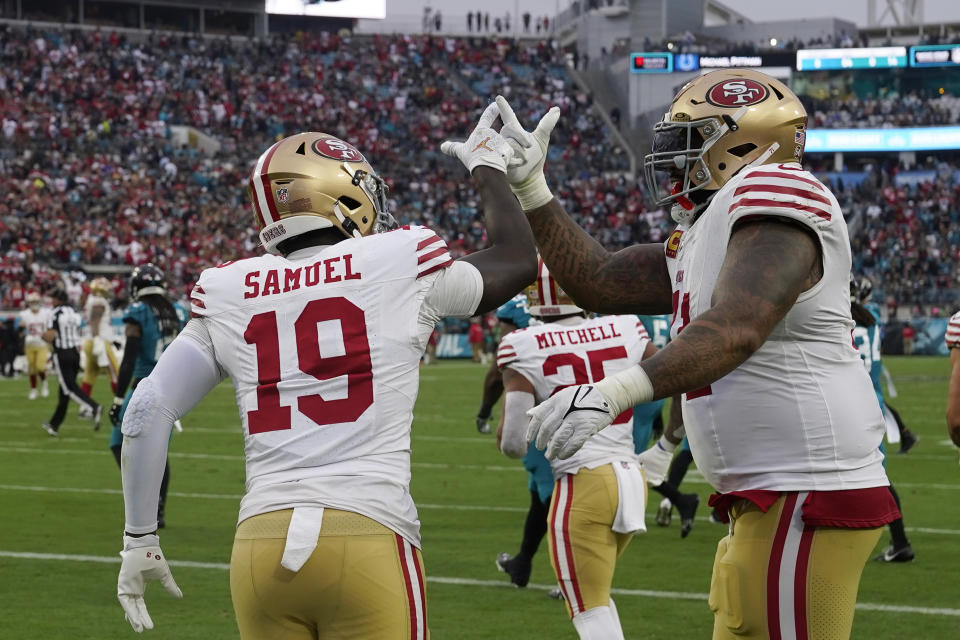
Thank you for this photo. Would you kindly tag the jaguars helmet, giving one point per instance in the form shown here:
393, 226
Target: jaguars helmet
100, 287
147, 279
861, 289
316, 181
546, 298
718, 124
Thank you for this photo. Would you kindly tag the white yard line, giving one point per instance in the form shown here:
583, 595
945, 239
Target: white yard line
422, 505
643, 593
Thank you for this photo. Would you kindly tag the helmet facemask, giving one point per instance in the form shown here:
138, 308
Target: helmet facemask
680, 149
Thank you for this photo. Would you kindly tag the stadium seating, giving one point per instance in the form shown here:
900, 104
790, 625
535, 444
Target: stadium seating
91, 173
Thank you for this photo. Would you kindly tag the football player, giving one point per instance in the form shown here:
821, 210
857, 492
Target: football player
866, 338
151, 322
648, 421
513, 315
34, 320
952, 339
779, 411
322, 338
600, 495
98, 347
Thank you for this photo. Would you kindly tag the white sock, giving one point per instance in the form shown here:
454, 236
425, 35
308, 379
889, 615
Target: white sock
615, 615
597, 624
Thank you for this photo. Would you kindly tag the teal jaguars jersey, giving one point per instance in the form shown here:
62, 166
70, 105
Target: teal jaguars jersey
644, 415
658, 328
867, 342
152, 340
515, 311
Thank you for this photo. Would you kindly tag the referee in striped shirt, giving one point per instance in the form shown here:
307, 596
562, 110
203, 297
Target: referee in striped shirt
63, 332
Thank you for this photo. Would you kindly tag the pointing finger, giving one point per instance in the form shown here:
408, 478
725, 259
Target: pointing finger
547, 123
489, 115
507, 114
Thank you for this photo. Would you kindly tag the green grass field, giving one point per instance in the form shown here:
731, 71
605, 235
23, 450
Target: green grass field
62, 519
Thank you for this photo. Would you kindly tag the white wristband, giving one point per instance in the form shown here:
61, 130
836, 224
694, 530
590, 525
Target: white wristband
666, 445
532, 192
624, 390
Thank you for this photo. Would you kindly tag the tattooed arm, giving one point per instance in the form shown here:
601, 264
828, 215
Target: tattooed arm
769, 263
634, 280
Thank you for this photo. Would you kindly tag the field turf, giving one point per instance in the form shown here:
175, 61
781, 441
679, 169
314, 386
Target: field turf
62, 518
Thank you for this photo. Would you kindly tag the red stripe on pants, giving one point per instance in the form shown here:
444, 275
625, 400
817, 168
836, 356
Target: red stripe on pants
773, 568
407, 581
800, 582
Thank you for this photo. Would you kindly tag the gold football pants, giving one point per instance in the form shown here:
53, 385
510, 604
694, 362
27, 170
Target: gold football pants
37, 357
775, 577
362, 581
92, 367
583, 547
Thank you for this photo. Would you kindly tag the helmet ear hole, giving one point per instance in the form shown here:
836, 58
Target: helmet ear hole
742, 149
349, 203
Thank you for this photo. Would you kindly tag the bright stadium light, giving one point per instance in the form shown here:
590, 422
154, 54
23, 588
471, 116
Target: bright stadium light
670, 46
773, 42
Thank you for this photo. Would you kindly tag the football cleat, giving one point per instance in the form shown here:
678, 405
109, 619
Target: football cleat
97, 417
687, 507
49, 428
517, 567
32, 395
907, 441
44, 390
892, 554
665, 513
556, 593
483, 425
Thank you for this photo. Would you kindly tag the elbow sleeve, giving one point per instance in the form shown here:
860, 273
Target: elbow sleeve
513, 442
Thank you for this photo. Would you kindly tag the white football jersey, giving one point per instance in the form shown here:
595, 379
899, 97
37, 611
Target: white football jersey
34, 324
952, 338
800, 413
324, 348
555, 355
104, 330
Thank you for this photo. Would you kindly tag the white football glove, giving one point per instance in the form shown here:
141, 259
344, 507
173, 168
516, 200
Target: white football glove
142, 561
655, 462
525, 170
484, 148
563, 423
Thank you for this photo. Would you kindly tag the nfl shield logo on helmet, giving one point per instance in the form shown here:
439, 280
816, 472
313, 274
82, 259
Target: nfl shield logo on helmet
282, 195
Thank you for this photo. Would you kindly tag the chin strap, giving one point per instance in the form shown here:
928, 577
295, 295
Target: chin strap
765, 155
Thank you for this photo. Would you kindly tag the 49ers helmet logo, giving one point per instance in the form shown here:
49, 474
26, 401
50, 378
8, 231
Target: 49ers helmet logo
737, 93
337, 149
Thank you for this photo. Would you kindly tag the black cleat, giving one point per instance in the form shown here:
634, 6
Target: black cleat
892, 554
50, 429
517, 567
907, 440
687, 507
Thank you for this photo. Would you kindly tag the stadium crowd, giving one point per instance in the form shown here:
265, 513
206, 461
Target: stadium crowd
90, 172
910, 110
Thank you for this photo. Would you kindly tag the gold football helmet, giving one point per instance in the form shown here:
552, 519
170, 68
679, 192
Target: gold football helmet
100, 287
718, 124
316, 181
546, 298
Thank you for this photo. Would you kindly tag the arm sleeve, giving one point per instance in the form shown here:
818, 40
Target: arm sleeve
506, 353
125, 374
456, 291
952, 337
513, 440
770, 191
185, 373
